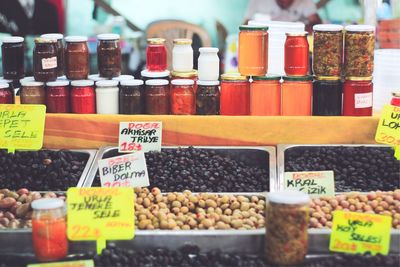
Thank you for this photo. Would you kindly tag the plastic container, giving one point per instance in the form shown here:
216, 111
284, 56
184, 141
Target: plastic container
109, 55
83, 97
207, 98
296, 54
32, 93
208, 64
58, 97
131, 97
183, 101
235, 95
156, 54
182, 55
297, 96
107, 97
357, 96
265, 96
60, 50
76, 58
13, 57
157, 97
327, 96
45, 60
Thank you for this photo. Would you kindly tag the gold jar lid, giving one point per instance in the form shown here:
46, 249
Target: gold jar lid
233, 77
186, 74
327, 78
353, 78
41, 40
183, 41
156, 41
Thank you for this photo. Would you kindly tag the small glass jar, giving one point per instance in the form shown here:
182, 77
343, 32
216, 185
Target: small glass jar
49, 229
253, 50
208, 64
45, 60
96, 77
395, 99
32, 92
76, 58
327, 96
156, 54
60, 50
265, 96
155, 75
359, 50
328, 50
296, 96
11, 88
287, 216
109, 55
6, 96
107, 97
157, 97
131, 97
296, 54
13, 57
58, 97
183, 101
357, 96
83, 97
235, 95
182, 55
207, 98
121, 78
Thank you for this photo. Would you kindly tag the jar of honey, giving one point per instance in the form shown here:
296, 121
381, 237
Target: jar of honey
297, 96
235, 95
265, 96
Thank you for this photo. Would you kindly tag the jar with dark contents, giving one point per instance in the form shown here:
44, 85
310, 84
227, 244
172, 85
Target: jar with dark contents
83, 97
76, 58
153, 75
45, 60
58, 97
327, 96
157, 97
6, 96
33, 92
109, 55
357, 96
13, 57
183, 100
207, 98
11, 87
131, 97
60, 50
235, 95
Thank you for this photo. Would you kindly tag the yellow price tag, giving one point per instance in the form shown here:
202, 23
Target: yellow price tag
22, 126
354, 233
388, 131
82, 263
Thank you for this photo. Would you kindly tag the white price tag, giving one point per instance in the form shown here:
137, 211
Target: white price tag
139, 136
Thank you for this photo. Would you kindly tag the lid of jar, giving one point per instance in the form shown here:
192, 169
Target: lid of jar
6, 80
253, 28
396, 94
328, 27
302, 33
107, 83
185, 74
360, 28
4, 85
327, 78
208, 83
56, 36
297, 78
208, 50
157, 82
96, 77
132, 83
352, 78
47, 204
108, 36
76, 39
41, 40
156, 41
155, 74
123, 78
31, 83
183, 41
29, 78
233, 77
57, 83
289, 197
80, 83
13, 39
62, 77
269, 77
182, 82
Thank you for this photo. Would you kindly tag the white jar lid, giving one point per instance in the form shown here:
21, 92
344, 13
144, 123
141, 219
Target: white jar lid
31, 83
157, 82
96, 77
108, 36
4, 85
13, 39
208, 83
107, 83
328, 27
123, 78
80, 83
28, 78
56, 36
132, 83
76, 39
289, 197
58, 83
5, 80
182, 82
155, 74
208, 50
360, 28
47, 204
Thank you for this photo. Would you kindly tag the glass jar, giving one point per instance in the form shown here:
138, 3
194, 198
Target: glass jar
265, 96
155, 75
182, 55
121, 78
359, 50
32, 92
253, 50
157, 97
395, 99
13, 57
60, 50
11, 88
156, 54
96, 77
235, 95
208, 64
328, 50
207, 98
131, 97
76, 58
327, 96
107, 97
6, 96
296, 54
357, 96
49, 229
83, 97
58, 97
296, 96
45, 60
287, 216
182, 100
109, 55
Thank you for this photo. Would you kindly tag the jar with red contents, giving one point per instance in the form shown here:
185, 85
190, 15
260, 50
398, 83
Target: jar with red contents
296, 54
357, 96
156, 54
183, 100
395, 99
6, 96
58, 96
235, 95
83, 97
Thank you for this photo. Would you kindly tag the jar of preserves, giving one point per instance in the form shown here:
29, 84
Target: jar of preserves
253, 50
76, 58
207, 98
182, 99
45, 60
11, 88
83, 97
13, 57
182, 55
296, 96
395, 99
32, 92
131, 97
49, 229
296, 54
328, 50
287, 216
96, 77
208, 64
58, 97
235, 95
109, 55
155, 75
156, 54
357, 96
265, 96
121, 78
327, 96
60, 50
157, 97
107, 97
359, 50
6, 96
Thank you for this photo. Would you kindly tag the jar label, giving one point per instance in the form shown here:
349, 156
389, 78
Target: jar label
363, 100
49, 63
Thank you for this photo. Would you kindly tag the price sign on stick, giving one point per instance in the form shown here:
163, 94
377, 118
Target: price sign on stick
139, 136
316, 184
100, 214
388, 131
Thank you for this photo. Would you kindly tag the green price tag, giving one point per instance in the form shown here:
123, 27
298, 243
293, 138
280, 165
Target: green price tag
315, 184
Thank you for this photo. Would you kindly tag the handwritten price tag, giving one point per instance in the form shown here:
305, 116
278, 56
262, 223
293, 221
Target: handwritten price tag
316, 184
82, 263
139, 136
354, 232
388, 131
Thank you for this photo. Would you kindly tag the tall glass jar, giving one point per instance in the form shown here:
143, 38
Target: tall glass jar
45, 60
157, 97
182, 55
107, 97
32, 92
155, 75
131, 97
253, 50
58, 97
327, 96
208, 64
13, 57
357, 96
6, 96
235, 95
207, 98
156, 54
83, 97
182, 98
296, 96
60, 50
76, 58
109, 55
296, 54
265, 96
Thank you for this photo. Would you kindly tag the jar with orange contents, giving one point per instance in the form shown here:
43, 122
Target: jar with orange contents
183, 100
296, 54
235, 95
265, 96
297, 96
